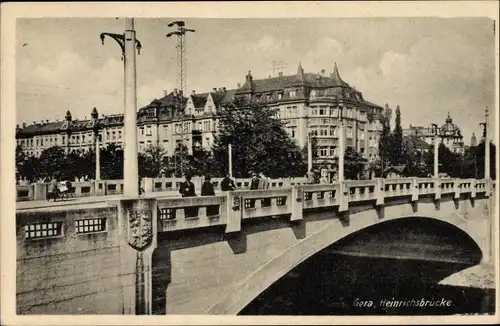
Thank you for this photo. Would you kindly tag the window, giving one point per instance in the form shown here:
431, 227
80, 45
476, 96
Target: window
141, 129
148, 131
165, 129
257, 97
293, 132
292, 93
43, 230
90, 225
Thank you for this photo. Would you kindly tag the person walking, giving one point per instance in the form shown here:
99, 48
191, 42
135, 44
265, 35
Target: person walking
187, 189
52, 189
254, 185
207, 189
264, 185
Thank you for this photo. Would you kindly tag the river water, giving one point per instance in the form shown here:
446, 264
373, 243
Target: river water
334, 284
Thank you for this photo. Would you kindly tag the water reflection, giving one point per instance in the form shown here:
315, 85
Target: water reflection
332, 284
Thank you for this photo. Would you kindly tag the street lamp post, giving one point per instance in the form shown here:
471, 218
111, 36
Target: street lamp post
230, 150
127, 42
436, 149
97, 155
341, 144
487, 175
309, 152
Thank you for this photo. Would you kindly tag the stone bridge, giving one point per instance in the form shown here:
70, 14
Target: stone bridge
214, 255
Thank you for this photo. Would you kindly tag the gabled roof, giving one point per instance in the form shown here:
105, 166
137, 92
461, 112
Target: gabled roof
299, 79
199, 100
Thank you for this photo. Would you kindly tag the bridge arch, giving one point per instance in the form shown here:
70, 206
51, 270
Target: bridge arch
249, 288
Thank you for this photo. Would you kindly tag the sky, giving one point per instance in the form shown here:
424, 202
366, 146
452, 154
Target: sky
427, 66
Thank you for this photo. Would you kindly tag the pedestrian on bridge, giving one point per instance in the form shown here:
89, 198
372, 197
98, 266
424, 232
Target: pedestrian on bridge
207, 189
187, 189
227, 184
52, 190
254, 185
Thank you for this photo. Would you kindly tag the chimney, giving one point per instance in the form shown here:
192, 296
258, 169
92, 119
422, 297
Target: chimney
175, 91
17, 127
280, 74
165, 92
323, 72
238, 85
214, 89
34, 122
193, 92
24, 124
224, 89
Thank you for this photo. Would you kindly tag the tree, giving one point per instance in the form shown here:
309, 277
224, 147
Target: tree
385, 138
202, 162
181, 162
396, 142
152, 162
473, 162
112, 162
354, 164
259, 141
49, 163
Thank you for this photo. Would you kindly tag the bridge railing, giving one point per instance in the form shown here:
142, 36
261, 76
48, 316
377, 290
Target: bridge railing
191, 212
233, 207
357, 190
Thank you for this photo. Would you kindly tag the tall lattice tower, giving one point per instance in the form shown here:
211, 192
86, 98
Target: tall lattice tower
181, 52
183, 133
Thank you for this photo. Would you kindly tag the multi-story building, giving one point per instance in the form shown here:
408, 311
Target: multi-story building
310, 104
450, 135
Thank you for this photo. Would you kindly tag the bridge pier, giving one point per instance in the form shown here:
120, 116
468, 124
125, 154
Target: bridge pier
137, 222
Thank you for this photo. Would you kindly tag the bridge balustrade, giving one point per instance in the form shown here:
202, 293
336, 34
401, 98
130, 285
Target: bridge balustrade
361, 190
25, 192
257, 203
398, 187
320, 195
191, 212
425, 186
114, 187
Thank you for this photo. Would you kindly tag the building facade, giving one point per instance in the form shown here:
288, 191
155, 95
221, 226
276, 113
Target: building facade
449, 132
311, 105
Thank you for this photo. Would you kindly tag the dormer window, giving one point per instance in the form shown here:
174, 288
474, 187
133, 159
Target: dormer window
292, 93
151, 114
280, 95
257, 97
268, 98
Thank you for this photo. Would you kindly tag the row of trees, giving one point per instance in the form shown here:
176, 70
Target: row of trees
419, 162
260, 143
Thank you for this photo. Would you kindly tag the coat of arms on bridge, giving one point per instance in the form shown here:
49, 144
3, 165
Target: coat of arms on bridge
140, 231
